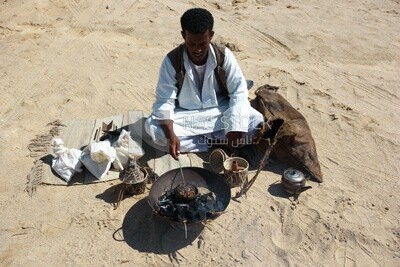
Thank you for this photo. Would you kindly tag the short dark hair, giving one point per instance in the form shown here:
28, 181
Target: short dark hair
197, 20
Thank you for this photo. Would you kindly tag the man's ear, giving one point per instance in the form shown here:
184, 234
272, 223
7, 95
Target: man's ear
183, 34
211, 34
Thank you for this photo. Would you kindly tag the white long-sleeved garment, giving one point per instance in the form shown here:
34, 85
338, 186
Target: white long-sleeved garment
202, 111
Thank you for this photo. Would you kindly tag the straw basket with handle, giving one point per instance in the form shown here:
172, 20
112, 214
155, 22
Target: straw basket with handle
134, 179
236, 171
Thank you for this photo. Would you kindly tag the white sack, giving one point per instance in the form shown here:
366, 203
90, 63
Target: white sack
125, 148
97, 158
66, 163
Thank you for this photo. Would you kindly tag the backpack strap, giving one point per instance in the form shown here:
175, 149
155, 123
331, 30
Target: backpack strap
176, 58
219, 71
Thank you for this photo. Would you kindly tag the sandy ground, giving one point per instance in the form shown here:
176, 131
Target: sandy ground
336, 61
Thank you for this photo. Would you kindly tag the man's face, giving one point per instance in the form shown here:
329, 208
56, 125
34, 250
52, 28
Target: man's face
197, 45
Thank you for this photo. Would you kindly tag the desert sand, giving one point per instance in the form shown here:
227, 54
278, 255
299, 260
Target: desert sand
337, 62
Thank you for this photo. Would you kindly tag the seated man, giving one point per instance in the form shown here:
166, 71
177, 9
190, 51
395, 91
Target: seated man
196, 107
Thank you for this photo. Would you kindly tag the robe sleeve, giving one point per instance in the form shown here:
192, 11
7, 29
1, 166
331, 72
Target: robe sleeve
166, 92
236, 117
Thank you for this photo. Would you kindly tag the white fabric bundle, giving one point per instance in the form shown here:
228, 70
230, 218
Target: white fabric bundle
126, 148
97, 158
66, 163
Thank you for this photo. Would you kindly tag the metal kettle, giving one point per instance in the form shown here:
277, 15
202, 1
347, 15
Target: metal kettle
294, 181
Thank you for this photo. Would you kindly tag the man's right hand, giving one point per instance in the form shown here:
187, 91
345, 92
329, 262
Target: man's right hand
174, 146
173, 141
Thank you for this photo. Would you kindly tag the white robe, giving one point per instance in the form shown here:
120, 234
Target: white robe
205, 111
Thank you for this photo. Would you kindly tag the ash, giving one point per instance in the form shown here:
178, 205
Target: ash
203, 207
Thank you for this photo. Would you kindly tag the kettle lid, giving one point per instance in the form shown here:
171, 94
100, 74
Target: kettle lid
293, 175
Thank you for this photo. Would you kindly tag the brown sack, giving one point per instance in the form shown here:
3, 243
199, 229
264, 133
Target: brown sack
294, 145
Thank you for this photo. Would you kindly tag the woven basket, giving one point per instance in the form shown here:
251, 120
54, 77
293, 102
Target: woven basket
139, 187
236, 178
217, 159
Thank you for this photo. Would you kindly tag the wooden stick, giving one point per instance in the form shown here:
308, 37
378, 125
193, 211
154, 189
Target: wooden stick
263, 161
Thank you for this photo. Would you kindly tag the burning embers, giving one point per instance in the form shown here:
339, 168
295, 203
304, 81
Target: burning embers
188, 204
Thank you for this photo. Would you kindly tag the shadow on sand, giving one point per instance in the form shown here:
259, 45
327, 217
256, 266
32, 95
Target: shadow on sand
145, 231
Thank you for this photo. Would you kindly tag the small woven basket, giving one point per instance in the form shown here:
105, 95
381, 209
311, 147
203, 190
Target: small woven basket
217, 159
134, 179
138, 188
236, 178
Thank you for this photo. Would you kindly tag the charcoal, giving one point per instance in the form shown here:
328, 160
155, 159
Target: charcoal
203, 207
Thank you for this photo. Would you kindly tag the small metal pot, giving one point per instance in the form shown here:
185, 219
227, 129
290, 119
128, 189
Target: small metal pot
185, 192
293, 181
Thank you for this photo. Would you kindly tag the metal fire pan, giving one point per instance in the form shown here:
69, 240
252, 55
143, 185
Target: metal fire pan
196, 176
